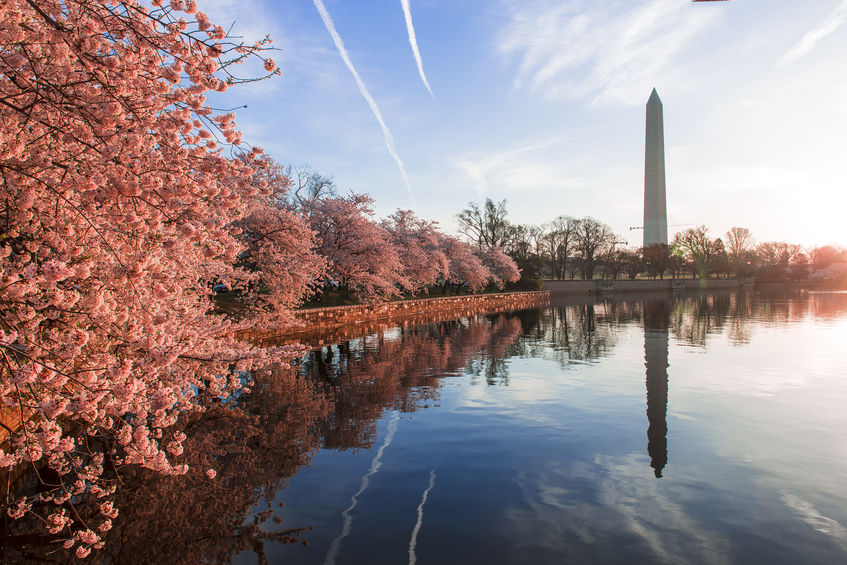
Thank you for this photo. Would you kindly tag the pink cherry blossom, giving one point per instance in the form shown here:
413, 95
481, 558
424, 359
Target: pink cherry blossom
119, 213
361, 258
464, 266
416, 240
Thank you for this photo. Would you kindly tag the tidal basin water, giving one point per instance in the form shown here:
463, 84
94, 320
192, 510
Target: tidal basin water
686, 429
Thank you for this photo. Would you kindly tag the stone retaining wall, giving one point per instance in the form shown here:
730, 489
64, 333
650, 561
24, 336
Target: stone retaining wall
320, 326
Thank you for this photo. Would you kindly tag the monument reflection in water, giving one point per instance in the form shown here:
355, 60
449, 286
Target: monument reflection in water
519, 438
656, 325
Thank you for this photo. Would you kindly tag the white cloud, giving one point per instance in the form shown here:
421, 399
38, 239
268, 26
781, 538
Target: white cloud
609, 52
833, 21
517, 168
473, 172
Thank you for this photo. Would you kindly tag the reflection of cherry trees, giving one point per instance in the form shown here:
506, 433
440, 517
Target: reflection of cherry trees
827, 306
369, 375
491, 363
253, 444
332, 399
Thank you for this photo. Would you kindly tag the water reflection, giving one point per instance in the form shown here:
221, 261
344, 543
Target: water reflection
656, 324
400, 369
254, 446
340, 395
333, 400
695, 318
573, 333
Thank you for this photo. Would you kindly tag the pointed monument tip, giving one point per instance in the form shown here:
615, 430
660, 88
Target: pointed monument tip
654, 96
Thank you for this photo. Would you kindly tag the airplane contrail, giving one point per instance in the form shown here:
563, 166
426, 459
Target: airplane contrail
347, 515
413, 41
389, 139
413, 542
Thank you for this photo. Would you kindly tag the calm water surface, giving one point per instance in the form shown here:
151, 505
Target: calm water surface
693, 429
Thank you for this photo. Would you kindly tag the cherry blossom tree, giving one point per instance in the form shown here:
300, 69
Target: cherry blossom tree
501, 267
117, 213
359, 252
464, 266
280, 250
416, 240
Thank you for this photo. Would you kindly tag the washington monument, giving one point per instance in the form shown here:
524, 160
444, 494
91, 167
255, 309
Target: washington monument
655, 209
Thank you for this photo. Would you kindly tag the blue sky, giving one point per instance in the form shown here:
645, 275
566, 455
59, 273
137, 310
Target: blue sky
542, 103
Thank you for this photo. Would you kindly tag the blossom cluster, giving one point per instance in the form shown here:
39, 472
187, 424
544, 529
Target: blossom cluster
403, 253
117, 210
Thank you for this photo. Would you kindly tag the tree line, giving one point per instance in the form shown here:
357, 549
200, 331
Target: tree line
303, 240
585, 248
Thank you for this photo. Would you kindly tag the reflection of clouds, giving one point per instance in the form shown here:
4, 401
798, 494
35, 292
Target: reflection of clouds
347, 515
537, 395
810, 515
582, 510
414, 539
774, 362
763, 382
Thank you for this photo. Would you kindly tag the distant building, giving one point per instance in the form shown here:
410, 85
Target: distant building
655, 207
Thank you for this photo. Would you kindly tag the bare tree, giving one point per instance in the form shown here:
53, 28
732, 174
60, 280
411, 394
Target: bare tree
486, 226
631, 262
657, 259
559, 242
609, 256
522, 247
823, 257
739, 246
592, 239
698, 248
738, 241
309, 185
777, 253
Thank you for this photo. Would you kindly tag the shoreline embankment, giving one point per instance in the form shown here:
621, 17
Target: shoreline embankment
608, 286
317, 327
